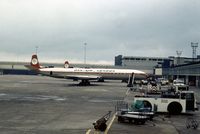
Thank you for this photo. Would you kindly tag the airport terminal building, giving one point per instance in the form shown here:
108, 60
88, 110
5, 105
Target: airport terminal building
187, 69
190, 73
146, 64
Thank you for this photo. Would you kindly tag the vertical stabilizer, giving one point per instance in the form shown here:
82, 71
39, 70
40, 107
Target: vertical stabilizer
66, 65
34, 62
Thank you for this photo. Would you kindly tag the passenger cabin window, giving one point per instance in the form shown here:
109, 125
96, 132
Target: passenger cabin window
132, 58
143, 59
154, 59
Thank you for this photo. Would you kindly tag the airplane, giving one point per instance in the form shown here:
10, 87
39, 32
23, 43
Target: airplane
85, 74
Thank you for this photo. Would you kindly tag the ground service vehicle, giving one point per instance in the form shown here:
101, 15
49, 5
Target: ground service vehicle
179, 85
162, 81
171, 102
126, 113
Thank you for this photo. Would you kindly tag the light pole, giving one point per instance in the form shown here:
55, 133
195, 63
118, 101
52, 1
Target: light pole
178, 58
85, 44
194, 47
36, 49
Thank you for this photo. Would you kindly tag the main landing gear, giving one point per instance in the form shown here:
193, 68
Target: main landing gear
84, 83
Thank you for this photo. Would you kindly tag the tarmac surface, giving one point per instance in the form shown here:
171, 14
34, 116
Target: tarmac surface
45, 105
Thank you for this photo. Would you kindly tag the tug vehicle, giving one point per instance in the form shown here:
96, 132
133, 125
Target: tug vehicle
170, 102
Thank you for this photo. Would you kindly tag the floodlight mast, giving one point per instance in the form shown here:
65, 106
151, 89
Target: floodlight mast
178, 58
36, 49
85, 44
194, 47
178, 53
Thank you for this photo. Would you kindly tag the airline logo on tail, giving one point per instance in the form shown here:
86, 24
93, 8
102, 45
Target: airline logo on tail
66, 65
35, 62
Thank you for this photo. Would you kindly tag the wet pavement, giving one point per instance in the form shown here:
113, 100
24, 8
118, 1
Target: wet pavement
44, 105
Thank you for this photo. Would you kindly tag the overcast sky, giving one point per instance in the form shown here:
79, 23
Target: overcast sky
109, 27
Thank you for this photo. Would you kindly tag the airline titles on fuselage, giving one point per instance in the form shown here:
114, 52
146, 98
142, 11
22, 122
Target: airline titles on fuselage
96, 70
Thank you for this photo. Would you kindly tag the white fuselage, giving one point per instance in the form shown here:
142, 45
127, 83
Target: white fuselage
102, 73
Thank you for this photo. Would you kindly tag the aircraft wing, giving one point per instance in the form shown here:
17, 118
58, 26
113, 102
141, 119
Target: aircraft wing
83, 77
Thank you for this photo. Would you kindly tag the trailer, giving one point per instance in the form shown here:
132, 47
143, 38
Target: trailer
171, 102
127, 114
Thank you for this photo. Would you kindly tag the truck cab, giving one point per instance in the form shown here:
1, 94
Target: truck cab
190, 100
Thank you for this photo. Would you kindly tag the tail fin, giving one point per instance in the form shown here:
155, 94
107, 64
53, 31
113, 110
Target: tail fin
66, 65
34, 62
